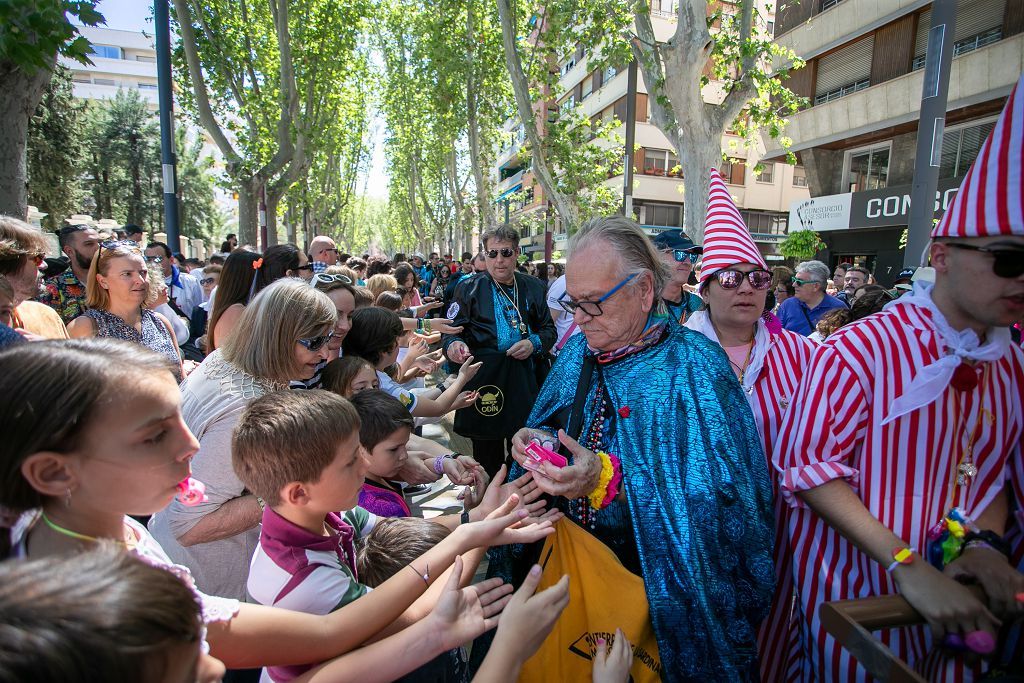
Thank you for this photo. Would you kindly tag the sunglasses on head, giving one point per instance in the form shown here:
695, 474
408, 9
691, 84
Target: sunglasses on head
1008, 263
316, 343
732, 279
121, 244
681, 255
505, 253
325, 279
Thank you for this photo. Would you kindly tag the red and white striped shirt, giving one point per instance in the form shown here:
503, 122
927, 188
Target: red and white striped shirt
769, 393
903, 472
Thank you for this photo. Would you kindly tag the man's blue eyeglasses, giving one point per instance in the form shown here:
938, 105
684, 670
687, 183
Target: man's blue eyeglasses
591, 308
681, 255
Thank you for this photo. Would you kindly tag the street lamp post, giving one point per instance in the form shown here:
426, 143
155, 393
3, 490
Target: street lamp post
168, 162
627, 163
929, 129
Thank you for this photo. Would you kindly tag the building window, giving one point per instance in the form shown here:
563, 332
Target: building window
962, 47
767, 174
867, 169
829, 4
799, 176
104, 81
660, 162
587, 88
766, 223
569, 102
734, 172
665, 6
107, 51
147, 86
668, 215
568, 65
610, 73
771, 29
145, 58
960, 147
844, 71
81, 78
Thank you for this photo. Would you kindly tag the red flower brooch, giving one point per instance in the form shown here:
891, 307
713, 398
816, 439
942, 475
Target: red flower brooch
624, 411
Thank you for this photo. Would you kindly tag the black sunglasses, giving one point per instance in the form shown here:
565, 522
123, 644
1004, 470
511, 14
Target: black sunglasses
207, 281
314, 344
1008, 263
505, 253
122, 244
732, 279
308, 266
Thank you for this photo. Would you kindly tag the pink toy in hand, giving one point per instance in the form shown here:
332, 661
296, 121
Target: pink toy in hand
191, 492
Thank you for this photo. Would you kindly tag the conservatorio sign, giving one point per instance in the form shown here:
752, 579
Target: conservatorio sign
887, 207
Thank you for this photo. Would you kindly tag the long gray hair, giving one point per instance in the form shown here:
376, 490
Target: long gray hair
636, 253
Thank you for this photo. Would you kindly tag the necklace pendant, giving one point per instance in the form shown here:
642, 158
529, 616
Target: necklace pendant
965, 472
522, 328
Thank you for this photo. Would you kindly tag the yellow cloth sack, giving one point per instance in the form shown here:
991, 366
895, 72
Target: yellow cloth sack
603, 596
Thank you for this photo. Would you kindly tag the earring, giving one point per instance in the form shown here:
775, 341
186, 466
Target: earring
67, 498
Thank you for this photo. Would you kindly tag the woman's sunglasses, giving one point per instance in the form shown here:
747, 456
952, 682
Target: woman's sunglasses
314, 344
732, 279
1008, 263
325, 279
505, 253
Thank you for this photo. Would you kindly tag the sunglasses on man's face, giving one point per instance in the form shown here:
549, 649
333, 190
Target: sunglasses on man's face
1008, 263
732, 279
207, 281
681, 255
505, 253
154, 259
800, 283
314, 344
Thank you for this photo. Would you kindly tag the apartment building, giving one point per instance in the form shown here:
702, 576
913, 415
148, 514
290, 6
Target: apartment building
764, 199
121, 59
856, 140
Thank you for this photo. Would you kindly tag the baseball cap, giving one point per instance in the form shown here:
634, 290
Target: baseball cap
132, 229
675, 239
905, 274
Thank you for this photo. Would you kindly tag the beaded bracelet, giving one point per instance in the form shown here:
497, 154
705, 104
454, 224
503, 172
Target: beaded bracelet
607, 484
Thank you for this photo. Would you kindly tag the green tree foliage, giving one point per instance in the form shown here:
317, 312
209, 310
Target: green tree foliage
122, 160
33, 33
55, 147
200, 216
715, 71
266, 80
801, 245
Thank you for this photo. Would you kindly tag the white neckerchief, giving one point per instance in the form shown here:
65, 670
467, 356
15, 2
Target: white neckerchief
957, 347
700, 321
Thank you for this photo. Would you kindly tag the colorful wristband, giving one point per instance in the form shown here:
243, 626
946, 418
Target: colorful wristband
900, 556
607, 485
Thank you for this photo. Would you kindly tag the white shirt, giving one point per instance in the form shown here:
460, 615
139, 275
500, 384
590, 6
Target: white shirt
563, 319
188, 295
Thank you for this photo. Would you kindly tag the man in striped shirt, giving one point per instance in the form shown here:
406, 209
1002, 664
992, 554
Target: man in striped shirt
932, 420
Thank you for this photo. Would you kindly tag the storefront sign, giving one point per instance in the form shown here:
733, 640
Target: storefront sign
821, 213
887, 207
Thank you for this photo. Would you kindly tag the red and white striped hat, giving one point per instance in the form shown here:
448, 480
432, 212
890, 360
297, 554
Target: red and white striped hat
726, 238
991, 197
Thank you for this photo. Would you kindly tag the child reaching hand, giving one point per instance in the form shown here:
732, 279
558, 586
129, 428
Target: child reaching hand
300, 453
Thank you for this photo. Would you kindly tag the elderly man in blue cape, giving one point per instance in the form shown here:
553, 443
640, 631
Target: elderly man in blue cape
693, 514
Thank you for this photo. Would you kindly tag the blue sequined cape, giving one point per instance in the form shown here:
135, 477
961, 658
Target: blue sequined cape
699, 500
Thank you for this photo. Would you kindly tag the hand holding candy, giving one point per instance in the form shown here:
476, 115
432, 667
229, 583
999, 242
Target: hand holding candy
191, 492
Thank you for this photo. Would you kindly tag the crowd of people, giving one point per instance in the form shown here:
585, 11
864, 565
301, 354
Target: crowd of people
209, 468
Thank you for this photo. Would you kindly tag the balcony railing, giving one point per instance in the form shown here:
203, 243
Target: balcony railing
962, 47
828, 4
845, 90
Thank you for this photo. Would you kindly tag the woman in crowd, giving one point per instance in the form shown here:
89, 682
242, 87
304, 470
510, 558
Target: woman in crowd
380, 283
767, 360
287, 329
377, 265
358, 265
406, 277
339, 289
210, 279
782, 284
116, 293
236, 282
96, 433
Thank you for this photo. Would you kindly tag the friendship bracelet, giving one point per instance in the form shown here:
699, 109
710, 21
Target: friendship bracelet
425, 576
900, 556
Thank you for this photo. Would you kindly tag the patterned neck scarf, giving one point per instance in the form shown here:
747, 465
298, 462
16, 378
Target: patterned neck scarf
655, 331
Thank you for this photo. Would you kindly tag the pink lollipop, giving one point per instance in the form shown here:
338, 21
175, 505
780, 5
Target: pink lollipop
191, 492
